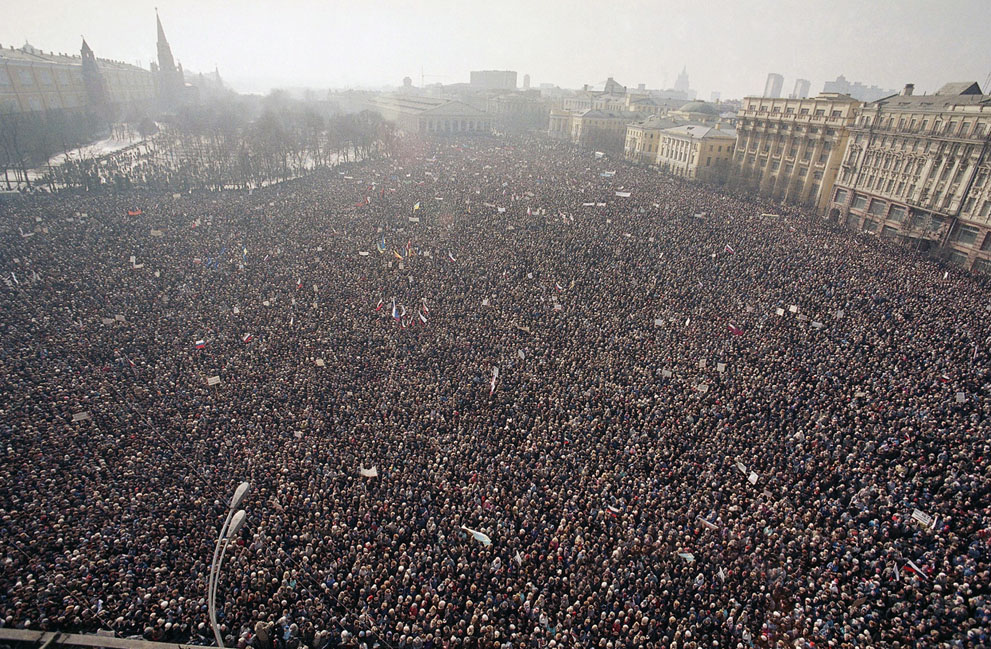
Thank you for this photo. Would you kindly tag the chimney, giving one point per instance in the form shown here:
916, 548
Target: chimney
585, 87
909, 88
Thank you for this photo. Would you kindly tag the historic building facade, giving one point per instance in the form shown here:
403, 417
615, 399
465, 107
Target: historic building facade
34, 81
696, 152
790, 149
917, 169
430, 115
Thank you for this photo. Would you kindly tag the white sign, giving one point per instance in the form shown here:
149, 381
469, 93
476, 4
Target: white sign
368, 473
961, 397
666, 374
320, 362
81, 416
816, 325
779, 311
363, 253
793, 308
720, 367
702, 364
624, 194
922, 517
752, 478
213, 380
658, 322
157, 233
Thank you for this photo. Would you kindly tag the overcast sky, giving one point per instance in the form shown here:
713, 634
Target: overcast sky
727, 45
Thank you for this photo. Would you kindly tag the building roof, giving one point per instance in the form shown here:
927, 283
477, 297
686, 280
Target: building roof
597, 113
701, 132
406, 103
960, 88
950, 95
700, 107
657, 122
29, 54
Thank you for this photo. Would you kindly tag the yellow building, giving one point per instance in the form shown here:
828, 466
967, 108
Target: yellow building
696, 151
917, 169
35, 81
643, 138
790, 149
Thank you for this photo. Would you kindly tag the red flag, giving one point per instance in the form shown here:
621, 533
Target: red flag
736, 331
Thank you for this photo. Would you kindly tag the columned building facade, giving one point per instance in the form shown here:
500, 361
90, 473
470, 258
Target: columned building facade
917, 169
431, 115
790, 149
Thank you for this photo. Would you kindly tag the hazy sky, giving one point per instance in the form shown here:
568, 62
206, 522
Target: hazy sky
727, 45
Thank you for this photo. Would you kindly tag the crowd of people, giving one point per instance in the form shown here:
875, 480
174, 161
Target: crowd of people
605, 408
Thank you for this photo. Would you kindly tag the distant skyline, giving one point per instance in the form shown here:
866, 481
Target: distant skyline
726, 46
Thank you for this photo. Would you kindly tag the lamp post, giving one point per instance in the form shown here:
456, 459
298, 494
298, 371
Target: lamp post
232, 525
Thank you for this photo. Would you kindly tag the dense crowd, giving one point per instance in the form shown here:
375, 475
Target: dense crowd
684, 419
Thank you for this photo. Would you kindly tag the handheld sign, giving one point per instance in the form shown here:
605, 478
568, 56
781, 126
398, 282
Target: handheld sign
213, 380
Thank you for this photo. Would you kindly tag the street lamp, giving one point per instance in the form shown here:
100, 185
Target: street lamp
232, 525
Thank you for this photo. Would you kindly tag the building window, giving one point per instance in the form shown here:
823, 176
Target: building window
26, 78
958, 258
897, 213
859, 202
4, 79
967, 235
870, 226
841, 195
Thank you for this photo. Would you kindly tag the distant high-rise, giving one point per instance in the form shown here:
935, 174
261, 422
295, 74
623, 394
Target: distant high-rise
801, 89
772, 88
493, 79
681, 85
715, 96
526, 81
856, 90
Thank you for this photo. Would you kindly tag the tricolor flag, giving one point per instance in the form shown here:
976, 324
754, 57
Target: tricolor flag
736, 331
451, 257
423, 318
425, 309
246, 338
395, 311
378, 307
299, 284
200, 344
916, 569
558, 287
729, 249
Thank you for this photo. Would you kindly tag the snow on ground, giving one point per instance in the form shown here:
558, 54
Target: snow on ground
96, 149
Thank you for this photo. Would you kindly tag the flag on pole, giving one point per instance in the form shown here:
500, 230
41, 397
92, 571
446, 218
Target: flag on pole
416, 206
557, 285
736, 331
451, 257
916, 569
200, 344
495, 375
423, 318
395, 311
378, 307
246, 338
729, 249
